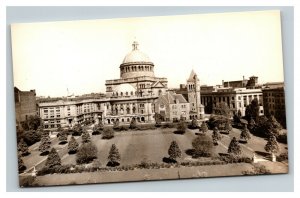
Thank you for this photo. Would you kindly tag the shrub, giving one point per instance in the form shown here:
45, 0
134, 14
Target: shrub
245, 134
63, 137
72, 146
86, 153
193, 124
133, 124
282, 138
216, 136
181, 127
257, 170
53, 159
272, 145
234, 148
21, 166
45, 144
203, 127
86, 138
98, 128
228, 127
23, 148
283, 157
203, 146
116, 125
107, 133
27, 181
217, 121
174, 151
114, 156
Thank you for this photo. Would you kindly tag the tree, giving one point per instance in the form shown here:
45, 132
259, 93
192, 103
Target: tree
86, 153
181, 127
133, 124
113, 156
158, 118
53, 159
202, 146
45, 144
72, 146
107, 133
245, 134
31, 137
252, 110
203, 127
86, 138
274, 126
174, 151
21, 166
23, 148
194, 124
216, 136
222, 109
77, 130
32, 123
234, 148
272, 145
63, 137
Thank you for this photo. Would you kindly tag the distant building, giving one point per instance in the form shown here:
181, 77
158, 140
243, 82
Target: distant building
172, 107
249, 84
237, 99
274, 101
25, 105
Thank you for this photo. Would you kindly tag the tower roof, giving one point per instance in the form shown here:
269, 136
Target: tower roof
193, 75
136, 55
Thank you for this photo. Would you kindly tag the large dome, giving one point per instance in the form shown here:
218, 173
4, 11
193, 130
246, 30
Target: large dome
136, 56
136, 64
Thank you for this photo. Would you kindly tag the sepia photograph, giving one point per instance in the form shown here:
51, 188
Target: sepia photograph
149, 98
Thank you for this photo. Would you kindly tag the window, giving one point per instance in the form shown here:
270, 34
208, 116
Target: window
45, 111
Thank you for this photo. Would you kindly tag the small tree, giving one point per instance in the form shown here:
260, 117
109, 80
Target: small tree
202, 146
251, 125
45, 144
181, 127
216, 136
174, 151
245, 134
53, 159
114, 156
23, 148
21, 165
86, 138
133, 124
72, 146
108, 133
272, 145
203, 127
77, 130
194, 124
98, 128
63, 137
86, 153
116, 125
228, 127
158, 119
234, 148
222, 109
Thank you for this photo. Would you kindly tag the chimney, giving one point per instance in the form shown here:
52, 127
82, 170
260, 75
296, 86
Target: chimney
223, 82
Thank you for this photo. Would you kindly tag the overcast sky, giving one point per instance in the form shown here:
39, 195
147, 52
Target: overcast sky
81, 55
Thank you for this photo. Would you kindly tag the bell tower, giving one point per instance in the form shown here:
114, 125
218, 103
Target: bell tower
193, 88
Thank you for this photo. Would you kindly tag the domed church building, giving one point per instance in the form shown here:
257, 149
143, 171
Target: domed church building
134, 94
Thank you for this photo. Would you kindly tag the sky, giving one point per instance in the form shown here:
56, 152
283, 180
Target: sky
61, 58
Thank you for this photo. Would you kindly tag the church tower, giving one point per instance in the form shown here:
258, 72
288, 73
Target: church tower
193, 88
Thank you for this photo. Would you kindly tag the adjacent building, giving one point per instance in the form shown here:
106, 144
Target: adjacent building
274, 101
25, 105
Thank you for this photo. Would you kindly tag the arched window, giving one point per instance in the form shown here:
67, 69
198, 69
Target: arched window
126, 93
121, 93
133, 110
128, 110
159, 92
131, 93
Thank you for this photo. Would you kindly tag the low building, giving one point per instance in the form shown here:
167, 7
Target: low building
172, 107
